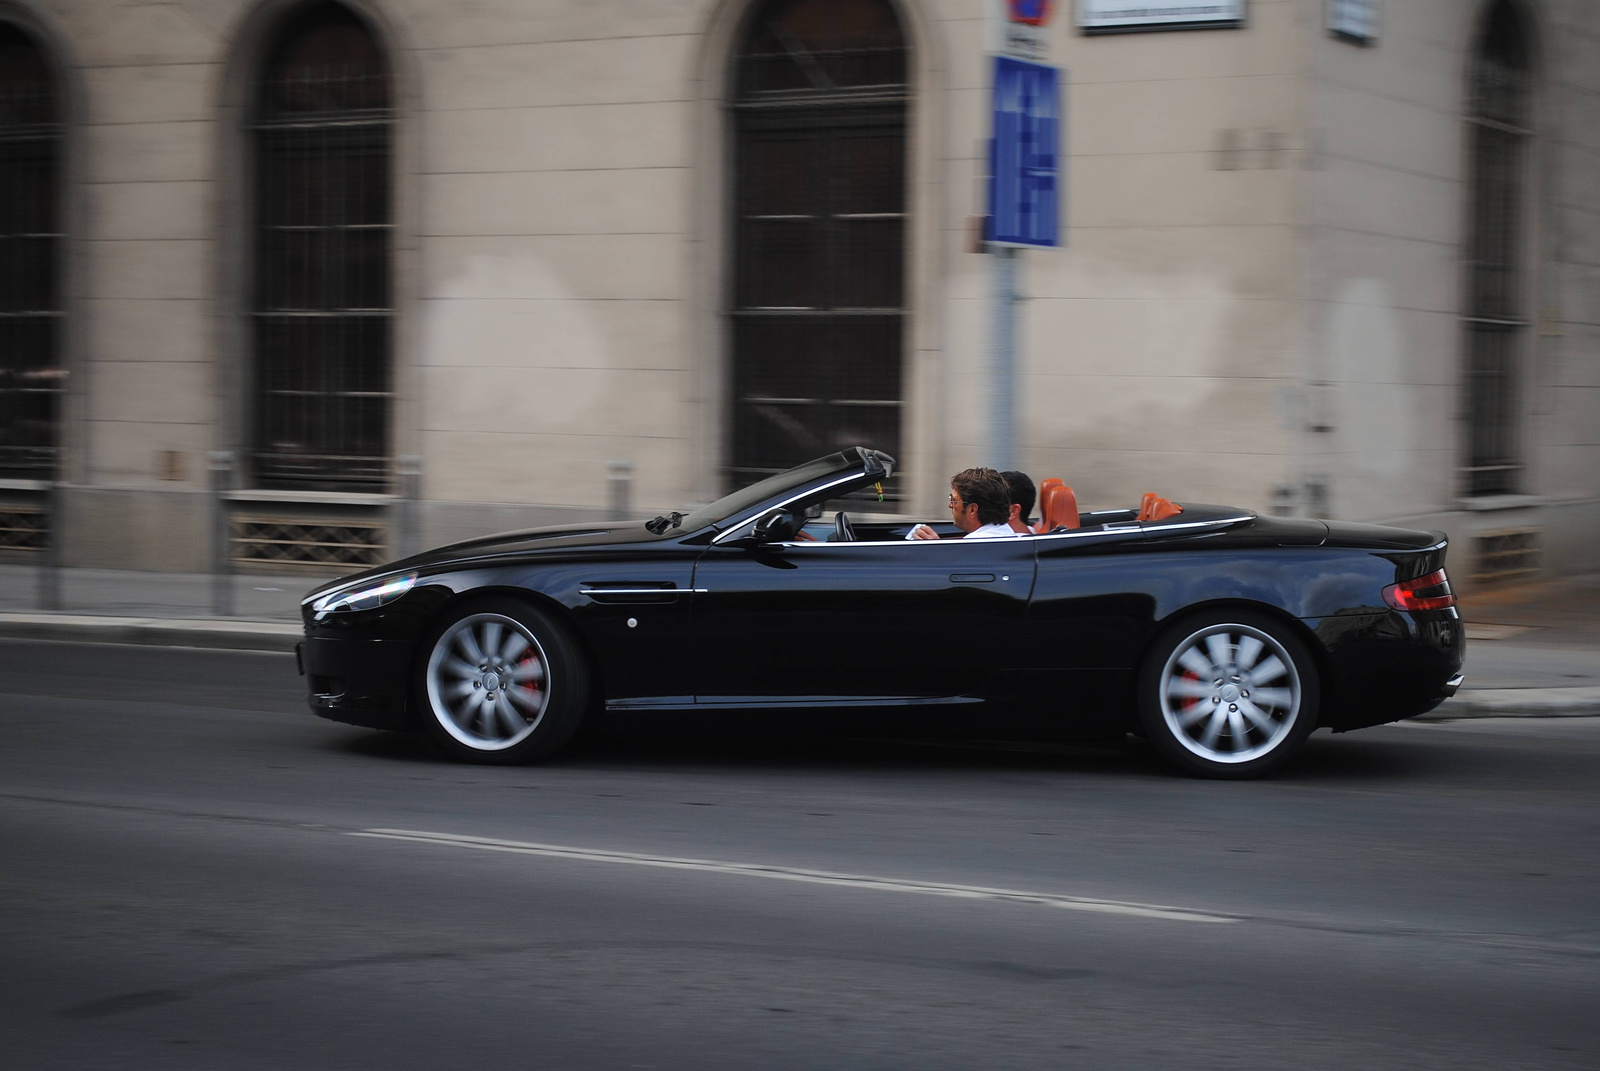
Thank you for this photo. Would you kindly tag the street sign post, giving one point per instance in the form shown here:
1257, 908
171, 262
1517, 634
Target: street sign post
1026, 139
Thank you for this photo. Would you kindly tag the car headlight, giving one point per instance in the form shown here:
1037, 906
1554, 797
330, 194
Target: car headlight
367, 597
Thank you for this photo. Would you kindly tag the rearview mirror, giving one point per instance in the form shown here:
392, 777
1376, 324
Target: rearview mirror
778, 527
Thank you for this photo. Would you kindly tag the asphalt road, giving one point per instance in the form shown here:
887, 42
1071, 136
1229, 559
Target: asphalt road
194, 873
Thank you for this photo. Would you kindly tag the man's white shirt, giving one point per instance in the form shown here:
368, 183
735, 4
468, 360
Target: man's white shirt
991, 531
988, 531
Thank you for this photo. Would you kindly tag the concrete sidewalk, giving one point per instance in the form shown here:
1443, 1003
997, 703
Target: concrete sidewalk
1532, 650
166, 609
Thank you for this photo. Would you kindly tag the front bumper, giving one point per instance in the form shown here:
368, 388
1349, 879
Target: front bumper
357, 681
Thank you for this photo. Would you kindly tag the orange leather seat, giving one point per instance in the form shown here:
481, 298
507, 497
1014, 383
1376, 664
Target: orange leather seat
1155, 508
1044, 491
1059, 508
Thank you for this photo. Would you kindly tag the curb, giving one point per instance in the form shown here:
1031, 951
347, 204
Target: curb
1517, 703
221, 634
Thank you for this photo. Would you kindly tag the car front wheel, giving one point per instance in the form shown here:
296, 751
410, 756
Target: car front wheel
500, 682
1229, 695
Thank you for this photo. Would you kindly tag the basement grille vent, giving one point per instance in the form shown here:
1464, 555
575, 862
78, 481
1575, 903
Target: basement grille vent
23, 529
1506, 555
268, 541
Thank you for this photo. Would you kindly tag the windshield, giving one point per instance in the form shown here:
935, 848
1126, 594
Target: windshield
738, 502
855, 461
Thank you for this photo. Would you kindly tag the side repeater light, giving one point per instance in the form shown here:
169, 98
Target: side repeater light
1431, 592
363, 598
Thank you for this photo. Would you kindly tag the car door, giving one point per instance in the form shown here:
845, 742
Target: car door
1092, 612
884, 620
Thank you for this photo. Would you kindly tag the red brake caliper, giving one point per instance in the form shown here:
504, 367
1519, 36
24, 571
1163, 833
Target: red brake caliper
1190, 702
529, 659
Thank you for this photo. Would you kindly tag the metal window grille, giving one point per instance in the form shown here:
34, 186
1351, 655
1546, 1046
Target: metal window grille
23, 528
818, 296
1495, 322
274, 541
1507, 554
323, 308
31, 377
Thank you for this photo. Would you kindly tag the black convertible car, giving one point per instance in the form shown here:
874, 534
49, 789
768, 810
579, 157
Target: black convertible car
1222, 636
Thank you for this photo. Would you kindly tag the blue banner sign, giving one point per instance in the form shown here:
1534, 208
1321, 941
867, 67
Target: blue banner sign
1024, 154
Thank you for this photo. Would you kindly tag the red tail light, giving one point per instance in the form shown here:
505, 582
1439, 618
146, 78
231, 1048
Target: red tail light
1431, 592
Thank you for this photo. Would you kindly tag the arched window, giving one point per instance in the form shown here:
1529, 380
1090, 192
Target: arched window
818, 278
30, 260
322, 340
1500, 121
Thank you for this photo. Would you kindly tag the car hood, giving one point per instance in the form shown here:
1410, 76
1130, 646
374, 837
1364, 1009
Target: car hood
534, 541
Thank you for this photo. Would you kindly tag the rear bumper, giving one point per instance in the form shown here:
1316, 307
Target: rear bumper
1389, 666
357, 681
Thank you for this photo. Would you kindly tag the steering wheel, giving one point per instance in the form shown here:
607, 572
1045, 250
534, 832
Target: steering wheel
842, 531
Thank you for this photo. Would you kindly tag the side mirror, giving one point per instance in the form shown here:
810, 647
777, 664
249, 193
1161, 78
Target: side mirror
779, 527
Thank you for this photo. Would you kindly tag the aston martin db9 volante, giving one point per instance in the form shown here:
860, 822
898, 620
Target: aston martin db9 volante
1222, 636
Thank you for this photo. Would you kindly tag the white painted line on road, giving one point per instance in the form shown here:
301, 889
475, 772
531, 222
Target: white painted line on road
813, 877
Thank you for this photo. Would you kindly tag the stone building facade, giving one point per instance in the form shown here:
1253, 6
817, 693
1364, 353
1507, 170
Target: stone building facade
424, 270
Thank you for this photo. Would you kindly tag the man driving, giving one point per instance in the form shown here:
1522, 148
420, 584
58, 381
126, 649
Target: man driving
980, 506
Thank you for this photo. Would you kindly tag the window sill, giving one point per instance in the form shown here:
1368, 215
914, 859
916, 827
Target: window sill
1496, 503
311, 498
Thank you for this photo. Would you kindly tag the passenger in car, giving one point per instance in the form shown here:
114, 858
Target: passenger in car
980, 506
1023, 496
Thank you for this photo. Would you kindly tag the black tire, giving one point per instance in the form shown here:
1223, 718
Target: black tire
517, 703
1195, 701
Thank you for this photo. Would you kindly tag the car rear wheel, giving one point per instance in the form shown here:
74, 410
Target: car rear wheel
1229, 695
499, 681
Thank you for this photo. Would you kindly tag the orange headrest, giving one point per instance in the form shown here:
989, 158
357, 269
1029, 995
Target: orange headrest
1060, 508
1044, 493
1155, 508
1165, 508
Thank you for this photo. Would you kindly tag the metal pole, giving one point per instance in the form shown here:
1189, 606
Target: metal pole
619, 489
408, 527
50, 563
221, 463
1002, 443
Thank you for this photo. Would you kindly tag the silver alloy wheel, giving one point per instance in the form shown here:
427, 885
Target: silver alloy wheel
1230, 693
486, 681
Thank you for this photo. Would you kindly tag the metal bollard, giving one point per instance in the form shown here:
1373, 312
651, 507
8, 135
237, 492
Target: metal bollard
408, 506
221, 464
50, 563
619, 489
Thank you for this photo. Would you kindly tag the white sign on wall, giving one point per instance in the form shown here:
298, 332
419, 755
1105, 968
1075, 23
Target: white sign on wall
1019, 28
1355, 20
1109, 16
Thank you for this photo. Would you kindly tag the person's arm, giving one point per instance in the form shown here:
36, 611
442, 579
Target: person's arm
922, 531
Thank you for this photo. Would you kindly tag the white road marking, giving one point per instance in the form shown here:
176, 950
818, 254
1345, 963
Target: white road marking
813, 877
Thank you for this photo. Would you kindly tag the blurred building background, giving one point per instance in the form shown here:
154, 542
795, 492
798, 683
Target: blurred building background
1326, 257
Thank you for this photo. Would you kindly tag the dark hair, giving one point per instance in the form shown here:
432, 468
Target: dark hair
986, 489
1023, 492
